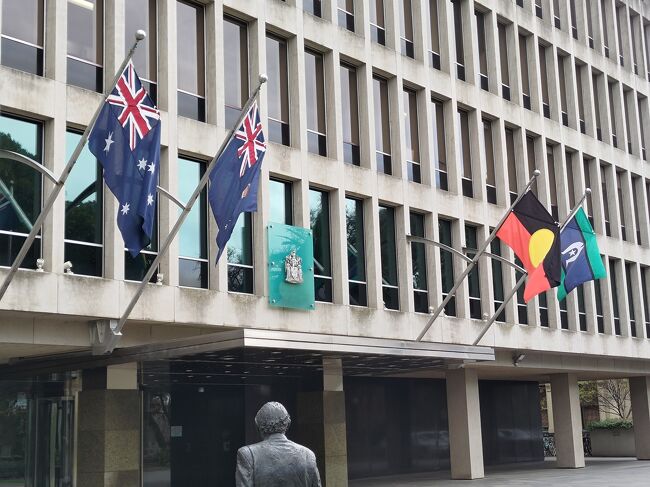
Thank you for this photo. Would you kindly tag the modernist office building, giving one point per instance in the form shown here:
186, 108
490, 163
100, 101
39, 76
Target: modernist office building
384, 118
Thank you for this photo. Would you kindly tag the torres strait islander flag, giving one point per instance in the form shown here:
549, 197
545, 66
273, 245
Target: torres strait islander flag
534, 236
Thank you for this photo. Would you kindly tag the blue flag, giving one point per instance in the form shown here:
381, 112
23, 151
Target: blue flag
126, 141
236, 175
581, 261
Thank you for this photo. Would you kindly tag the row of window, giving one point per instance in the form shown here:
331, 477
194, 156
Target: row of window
20, 202
615, 107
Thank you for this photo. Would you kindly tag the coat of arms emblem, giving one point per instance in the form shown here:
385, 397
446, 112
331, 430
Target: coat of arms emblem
293, 268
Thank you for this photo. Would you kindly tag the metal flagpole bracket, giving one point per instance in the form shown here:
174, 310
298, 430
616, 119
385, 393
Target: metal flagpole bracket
179, 222
103, 336
60, 181
477, 256
171, 197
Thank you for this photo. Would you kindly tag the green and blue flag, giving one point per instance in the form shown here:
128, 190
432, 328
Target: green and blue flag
581, 261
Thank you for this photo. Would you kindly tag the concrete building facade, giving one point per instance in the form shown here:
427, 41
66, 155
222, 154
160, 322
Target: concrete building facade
384, 119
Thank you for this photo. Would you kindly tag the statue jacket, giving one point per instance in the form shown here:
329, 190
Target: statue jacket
276, 462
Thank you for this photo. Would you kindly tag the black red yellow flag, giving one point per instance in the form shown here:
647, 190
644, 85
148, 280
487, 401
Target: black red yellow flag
534, 236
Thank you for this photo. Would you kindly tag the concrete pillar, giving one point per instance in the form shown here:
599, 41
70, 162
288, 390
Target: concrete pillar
334, 428
465, 438
567, 421
108, 448
640, 399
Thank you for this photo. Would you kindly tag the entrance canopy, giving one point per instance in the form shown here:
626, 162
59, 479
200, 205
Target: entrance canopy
253, 347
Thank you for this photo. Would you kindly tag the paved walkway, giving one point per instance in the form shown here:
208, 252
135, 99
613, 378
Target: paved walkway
599, 472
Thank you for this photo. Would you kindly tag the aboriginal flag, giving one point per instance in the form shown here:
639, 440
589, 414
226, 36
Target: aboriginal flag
534, 236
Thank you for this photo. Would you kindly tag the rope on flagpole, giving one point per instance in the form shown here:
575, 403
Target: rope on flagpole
522, 279
476, 258
114, 332
58, 183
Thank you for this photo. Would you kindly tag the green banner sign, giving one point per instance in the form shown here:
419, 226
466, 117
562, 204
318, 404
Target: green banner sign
291, 266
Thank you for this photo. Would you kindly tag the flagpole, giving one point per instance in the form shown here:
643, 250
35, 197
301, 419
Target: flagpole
522, 279
116, 326
475, 260
58, 184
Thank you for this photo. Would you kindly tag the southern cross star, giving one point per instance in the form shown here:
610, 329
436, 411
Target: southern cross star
125, 208
142, 164
149, 199
151, 168
109, 141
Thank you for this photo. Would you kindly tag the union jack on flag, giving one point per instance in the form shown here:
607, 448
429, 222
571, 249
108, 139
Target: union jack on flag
138, 113
250, 133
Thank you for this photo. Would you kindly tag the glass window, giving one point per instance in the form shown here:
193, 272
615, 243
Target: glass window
552, 182
439, 146
346, 14
564, 315
505, 69
604, 17
473, 280
530, 157
542, 301
627, 94
464, 153
600, 318
635, 208
277, 89
562, 82
377, 23
434, 35
411, 136
603, 190
21, 40
135, 268
642, 106
586, 164
523, 63
350, 109
512, 166
390, 290
582, 310
522, 308
544, 81
313, 7
406, 31
319, 222
581, 103
20, 189
594, 82
574, 20
356, 252
644, 300
193, 236
497, 279
569, 177
141, 14
556, 14
621, 203
458, 33
382, 125
419, 260
629, 270
85, 44
190, 50
84, 211
612, 277
315, 85
235, 68
590, 24
482, 53
240, 256
280, 199
612, 112
488, 154
446, 265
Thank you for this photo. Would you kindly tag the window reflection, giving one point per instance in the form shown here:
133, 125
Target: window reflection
446, 265
390, 290
356, 252
141, 14
240, 256
382, 125
419, 260
20, 189
350, 109
277, 89
191, 60
22, 35
319, 219
193, 237
85, 44
235, 57
83, 211
315, 85
280, 200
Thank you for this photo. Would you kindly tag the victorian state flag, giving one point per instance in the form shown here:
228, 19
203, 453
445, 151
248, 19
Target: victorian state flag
235, 178
126, 140
581, 260
533, 235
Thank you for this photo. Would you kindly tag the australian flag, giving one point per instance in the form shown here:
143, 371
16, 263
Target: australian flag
235, 177
126, 140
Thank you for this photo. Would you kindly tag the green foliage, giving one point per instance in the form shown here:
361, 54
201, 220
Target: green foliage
610, 424
588, 393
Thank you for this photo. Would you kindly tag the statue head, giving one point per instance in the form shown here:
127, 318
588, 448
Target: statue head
272, 418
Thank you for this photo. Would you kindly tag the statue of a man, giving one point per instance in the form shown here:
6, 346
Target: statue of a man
275, 461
